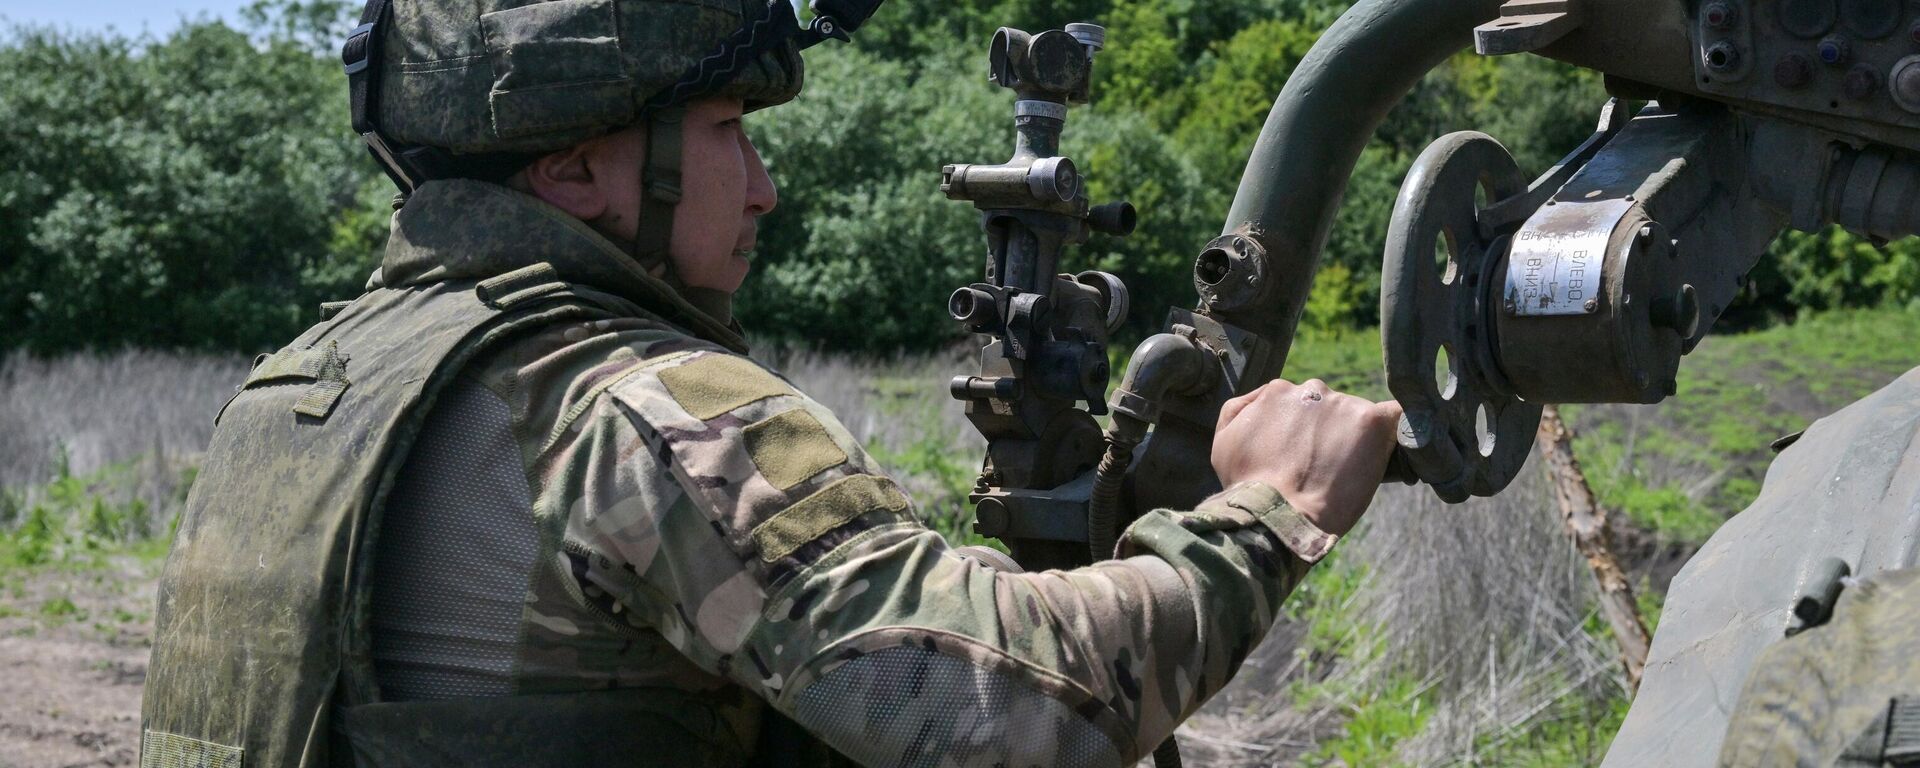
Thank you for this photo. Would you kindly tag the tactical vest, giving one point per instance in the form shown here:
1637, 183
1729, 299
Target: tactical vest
262, 655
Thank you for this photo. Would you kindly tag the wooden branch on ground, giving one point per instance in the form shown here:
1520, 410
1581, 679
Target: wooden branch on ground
1587, 523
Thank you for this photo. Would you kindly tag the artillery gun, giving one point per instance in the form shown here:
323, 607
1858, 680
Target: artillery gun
1500, 293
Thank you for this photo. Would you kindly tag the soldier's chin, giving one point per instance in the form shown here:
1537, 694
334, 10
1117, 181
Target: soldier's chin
739, 266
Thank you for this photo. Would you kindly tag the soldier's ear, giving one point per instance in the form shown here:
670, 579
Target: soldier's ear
566, 180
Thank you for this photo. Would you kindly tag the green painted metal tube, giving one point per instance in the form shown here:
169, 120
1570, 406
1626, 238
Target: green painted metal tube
1339, 94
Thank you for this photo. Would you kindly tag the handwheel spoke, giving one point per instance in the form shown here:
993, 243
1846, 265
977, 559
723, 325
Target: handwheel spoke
1461, 436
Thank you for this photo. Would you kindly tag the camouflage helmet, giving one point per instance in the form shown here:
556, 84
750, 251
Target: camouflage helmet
444, 86
534, 77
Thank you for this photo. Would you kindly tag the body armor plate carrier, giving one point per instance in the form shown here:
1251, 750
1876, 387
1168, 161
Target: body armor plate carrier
262, 652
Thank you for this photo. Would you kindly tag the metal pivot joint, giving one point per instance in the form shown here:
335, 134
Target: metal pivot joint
1586, 286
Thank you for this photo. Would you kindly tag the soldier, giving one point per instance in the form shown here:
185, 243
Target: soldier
525, 501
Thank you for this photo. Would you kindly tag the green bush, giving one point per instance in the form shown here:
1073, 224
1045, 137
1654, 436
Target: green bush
75, 518
199, 191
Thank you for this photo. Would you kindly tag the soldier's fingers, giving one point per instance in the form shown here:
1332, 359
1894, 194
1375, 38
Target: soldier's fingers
1232, 408
1389, 411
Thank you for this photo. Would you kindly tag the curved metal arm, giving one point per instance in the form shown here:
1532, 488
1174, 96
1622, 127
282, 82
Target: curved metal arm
1339, 94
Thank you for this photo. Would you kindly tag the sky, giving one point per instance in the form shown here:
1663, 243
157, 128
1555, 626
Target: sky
128, 16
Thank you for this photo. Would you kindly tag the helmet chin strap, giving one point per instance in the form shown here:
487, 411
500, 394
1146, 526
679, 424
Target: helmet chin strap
660, 193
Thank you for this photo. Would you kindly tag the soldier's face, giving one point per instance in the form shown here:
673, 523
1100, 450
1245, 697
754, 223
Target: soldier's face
724, 190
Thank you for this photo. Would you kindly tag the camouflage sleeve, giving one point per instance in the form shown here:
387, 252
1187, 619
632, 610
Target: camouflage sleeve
736, 517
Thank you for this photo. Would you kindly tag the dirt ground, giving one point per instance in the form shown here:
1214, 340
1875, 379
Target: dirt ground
73, 655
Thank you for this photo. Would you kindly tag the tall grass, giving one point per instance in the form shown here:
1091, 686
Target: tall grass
132, 425
1437, 634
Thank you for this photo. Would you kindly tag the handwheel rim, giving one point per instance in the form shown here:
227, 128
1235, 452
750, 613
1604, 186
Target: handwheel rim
1461, 434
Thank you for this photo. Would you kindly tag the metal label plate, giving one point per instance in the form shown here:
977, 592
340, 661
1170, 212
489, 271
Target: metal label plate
1558, 258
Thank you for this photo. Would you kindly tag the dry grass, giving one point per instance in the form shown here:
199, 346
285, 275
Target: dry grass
1473, 613
146, 414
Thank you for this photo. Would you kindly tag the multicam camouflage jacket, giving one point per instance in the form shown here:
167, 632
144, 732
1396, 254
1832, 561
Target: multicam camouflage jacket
1845, 694
688, 520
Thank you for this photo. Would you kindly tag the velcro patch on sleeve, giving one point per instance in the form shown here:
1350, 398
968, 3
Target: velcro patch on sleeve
829, 508
791, 447
716, 384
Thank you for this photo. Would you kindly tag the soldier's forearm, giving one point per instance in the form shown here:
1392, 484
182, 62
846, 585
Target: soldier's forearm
1128, 648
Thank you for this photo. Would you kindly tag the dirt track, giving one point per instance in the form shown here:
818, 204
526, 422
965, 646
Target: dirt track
70, 681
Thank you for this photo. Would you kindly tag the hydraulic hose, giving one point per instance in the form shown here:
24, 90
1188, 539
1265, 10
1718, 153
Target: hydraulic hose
1164, 365
1103, 513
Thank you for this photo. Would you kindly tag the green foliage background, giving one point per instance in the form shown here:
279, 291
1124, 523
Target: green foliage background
204, 191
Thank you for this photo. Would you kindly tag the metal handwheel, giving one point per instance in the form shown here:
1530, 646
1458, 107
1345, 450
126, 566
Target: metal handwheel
1464, 433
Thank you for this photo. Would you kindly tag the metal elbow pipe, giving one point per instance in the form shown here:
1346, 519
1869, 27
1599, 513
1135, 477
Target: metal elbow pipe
1329, 109
1165, 364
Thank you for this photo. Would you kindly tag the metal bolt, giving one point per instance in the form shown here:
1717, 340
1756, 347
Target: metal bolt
1793, 70
1591, 305
1719, 15
1834, 50
1862, 82
1723, 57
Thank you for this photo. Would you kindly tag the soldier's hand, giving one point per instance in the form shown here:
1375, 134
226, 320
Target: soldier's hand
1324, 451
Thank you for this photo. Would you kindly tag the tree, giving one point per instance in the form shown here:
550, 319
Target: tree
199, 191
